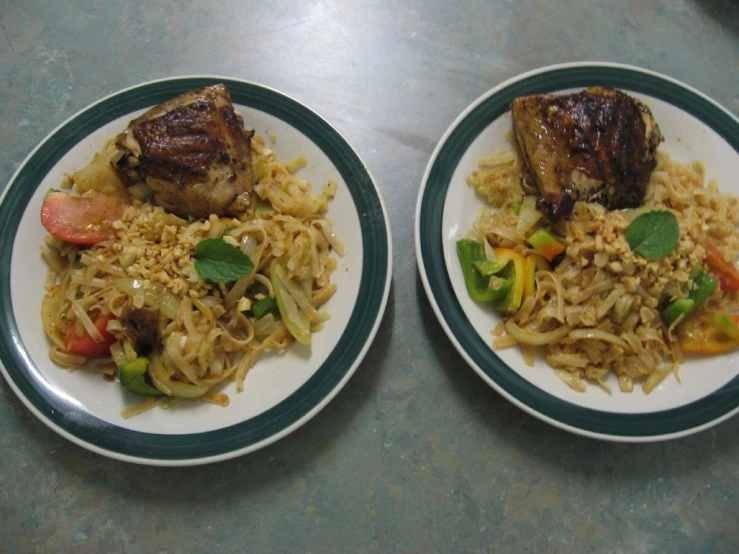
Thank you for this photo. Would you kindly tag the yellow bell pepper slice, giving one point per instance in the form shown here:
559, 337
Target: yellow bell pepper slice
515, 271
705, 333
534, 262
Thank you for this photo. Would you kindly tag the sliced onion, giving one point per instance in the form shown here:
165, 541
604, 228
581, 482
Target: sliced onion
292, 316
489, 251
248, 244
527, 217
535, 338
301, 299
158, 296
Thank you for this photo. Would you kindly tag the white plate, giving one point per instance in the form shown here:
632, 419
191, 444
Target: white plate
695, 128
283, 391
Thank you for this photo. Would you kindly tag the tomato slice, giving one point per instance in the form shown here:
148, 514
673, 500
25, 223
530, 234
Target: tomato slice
85, 345
727, 273
86, 219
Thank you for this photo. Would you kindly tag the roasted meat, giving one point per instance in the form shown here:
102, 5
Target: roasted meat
597, 145
141, 326
193, 152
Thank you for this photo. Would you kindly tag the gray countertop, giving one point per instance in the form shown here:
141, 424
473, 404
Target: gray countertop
416, 453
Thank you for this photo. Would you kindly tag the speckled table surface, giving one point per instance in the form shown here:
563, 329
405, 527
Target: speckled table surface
416, 454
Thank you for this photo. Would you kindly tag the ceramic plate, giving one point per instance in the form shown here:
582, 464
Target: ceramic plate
282, 391
695, 128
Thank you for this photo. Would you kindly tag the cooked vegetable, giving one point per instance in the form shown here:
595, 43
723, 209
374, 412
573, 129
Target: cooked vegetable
726, 324
98, 175
292, 316
514, 270
86, 345
477, 270
528, 216
156, 296
701, 334
266, 305
653, 234
219, 262
534, 263
134, 377
703, 287
86, 219
678, 308
545, 244
727, 273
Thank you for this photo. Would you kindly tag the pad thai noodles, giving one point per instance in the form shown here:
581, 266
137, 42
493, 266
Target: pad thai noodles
173, 305
621, 295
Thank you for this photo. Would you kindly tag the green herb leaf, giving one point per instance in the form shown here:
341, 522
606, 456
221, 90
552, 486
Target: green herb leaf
219, 262
264, 306
653, 234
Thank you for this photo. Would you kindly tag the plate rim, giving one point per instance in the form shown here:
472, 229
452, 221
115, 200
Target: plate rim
382, 224
420, 245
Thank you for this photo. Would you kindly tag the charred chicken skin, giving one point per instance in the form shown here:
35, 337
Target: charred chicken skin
597, 145
193, 152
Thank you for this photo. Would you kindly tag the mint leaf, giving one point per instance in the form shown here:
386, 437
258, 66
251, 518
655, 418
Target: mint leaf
219, 262
653, 234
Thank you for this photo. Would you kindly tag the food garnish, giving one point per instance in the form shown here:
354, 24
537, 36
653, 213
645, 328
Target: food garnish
653, 234
220, 262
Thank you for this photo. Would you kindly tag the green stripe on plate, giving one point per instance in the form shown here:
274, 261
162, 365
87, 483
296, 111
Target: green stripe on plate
375, 263
654, 424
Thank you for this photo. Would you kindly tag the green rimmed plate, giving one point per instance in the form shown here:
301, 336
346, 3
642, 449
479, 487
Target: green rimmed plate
695, 128
283, 391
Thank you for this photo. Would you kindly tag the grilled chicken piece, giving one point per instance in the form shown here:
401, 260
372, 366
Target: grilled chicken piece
193, 152
597, 145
